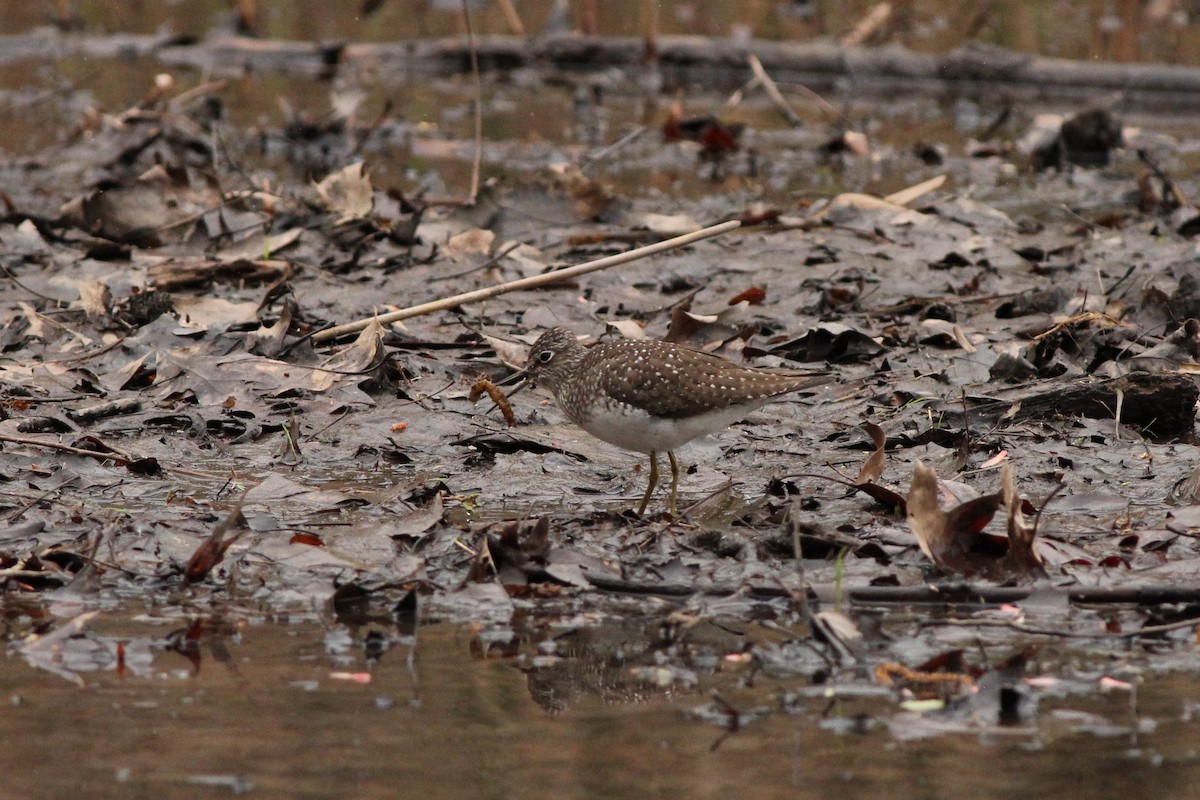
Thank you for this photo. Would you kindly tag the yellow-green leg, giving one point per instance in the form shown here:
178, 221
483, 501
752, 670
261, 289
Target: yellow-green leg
653, 482
674, 480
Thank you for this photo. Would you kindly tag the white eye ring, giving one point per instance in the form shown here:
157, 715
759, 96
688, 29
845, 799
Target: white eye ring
545, 356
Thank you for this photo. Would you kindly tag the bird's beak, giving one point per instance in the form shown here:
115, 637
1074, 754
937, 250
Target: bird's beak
521, 375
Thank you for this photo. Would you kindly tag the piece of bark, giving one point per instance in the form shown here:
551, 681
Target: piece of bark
1161, 404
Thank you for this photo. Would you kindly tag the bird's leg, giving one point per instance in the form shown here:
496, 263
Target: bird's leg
674, 480
653, 482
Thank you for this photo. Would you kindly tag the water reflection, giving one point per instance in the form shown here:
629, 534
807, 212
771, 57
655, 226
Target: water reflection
313, 707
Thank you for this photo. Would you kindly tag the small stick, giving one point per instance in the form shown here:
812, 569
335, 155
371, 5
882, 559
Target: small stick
608, 150
872, 21
793, 520
119, 459
530, 282
649, 17
182, 99
491, 262
735, 99
478, 162
773, 92
512, 18
20, 512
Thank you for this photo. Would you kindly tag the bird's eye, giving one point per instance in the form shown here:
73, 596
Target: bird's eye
545, 356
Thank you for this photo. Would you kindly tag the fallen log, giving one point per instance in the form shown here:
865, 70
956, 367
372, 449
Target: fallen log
1163, 405
822, 65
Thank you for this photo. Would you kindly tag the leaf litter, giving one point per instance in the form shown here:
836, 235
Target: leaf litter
167, 350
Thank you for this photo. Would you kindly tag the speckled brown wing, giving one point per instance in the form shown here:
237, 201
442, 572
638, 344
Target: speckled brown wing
668, 380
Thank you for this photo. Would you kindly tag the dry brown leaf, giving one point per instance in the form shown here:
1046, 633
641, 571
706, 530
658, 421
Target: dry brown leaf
873, 468
954, 540
348, 192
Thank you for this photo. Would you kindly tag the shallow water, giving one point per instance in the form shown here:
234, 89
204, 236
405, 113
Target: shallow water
277, 708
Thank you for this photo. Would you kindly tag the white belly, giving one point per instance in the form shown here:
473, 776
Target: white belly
638, 431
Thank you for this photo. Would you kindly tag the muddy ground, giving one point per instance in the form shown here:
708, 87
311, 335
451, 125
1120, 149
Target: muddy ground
179, 435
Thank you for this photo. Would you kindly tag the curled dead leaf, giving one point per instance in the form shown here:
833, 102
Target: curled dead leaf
955, 540
873, 467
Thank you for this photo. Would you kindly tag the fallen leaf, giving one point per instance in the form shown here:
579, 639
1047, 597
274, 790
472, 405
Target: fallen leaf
348, 192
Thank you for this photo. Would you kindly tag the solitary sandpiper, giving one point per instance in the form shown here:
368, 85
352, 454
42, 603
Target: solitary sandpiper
652, 396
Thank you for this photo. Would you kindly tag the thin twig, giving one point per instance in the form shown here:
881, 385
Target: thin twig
478, 162
827, 106
1148, 630
512, 18
362, 137
17, 282
608, 150
773, 92
177, 102
491, 262
735, 99
20, 512
793, 521
88, 356
872, 21
120, 459
528, 283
